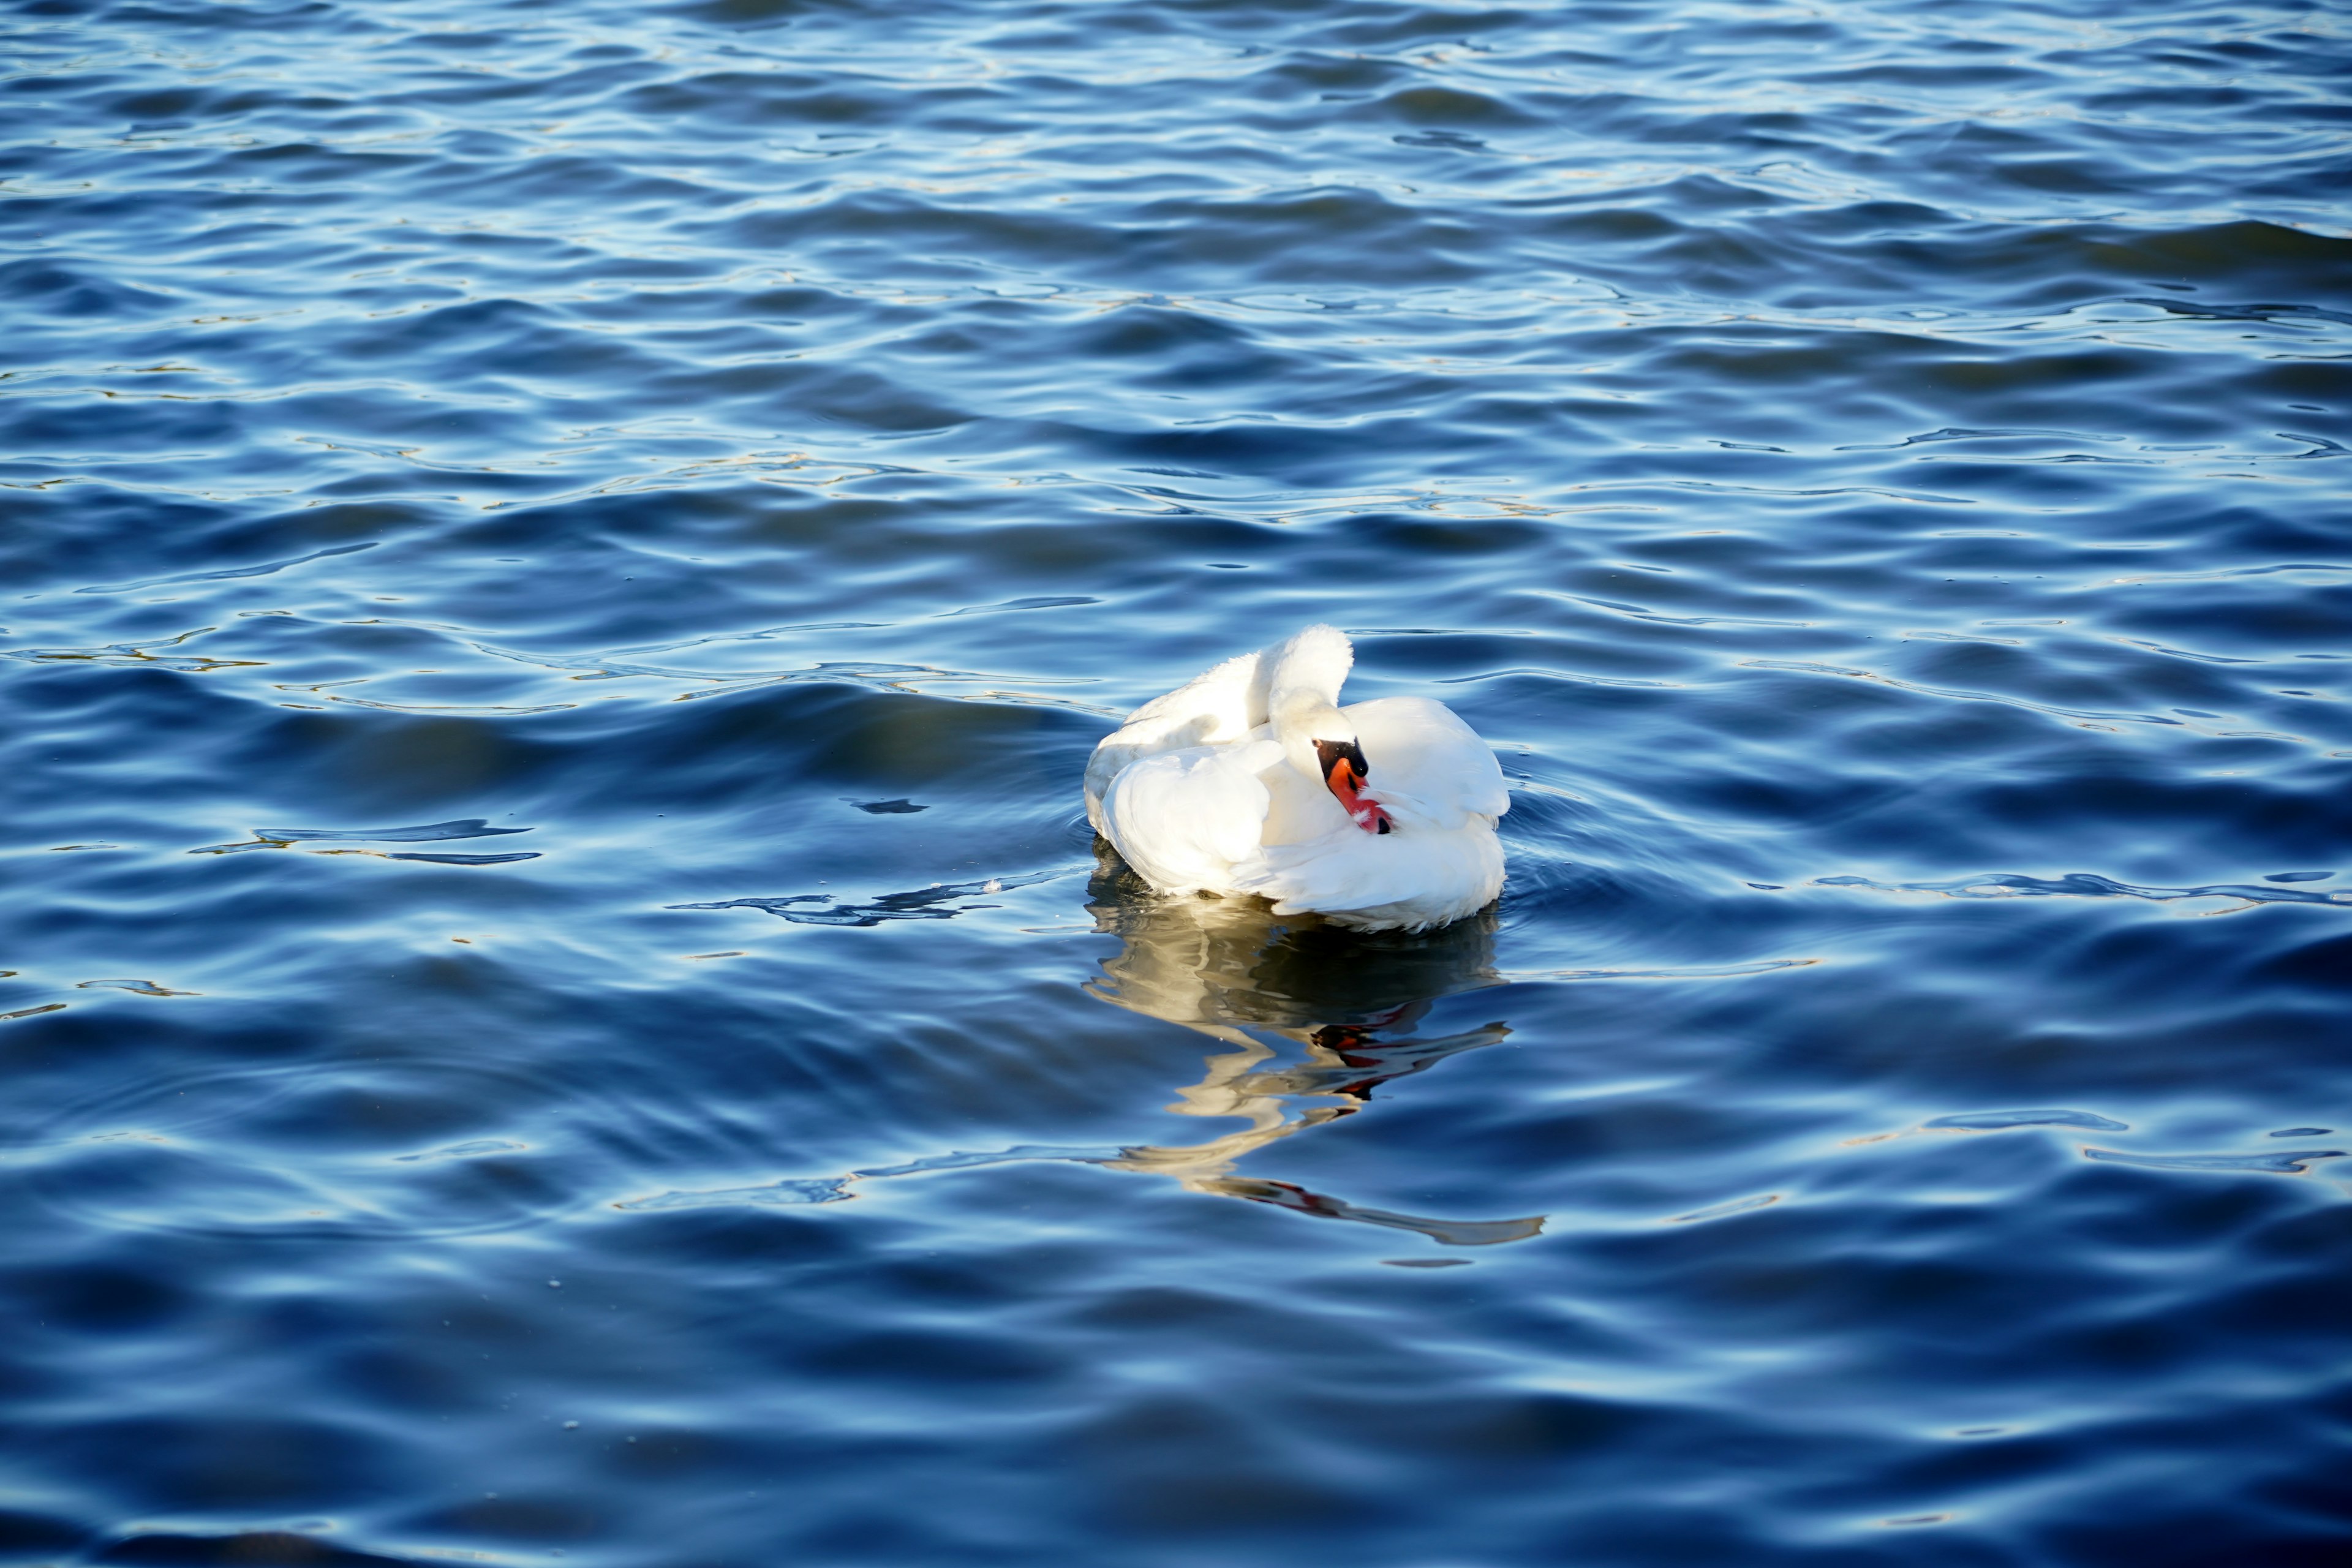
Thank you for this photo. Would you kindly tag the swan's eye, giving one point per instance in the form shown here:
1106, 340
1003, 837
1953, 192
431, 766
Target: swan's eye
1337, 755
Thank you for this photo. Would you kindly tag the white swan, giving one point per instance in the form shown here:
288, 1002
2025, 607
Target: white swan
1252, 779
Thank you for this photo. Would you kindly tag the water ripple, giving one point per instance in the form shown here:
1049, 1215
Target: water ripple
750, 445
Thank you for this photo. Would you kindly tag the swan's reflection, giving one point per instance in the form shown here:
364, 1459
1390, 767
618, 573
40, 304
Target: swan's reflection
1317, 1018
1314, 1017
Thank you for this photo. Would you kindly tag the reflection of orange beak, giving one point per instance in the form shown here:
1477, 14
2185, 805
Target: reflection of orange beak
1347, 784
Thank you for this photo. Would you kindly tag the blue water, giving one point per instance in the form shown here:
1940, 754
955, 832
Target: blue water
559, 567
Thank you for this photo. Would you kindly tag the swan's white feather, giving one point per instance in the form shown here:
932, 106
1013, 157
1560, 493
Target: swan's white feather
1186, 820
1213, 788
1215, 708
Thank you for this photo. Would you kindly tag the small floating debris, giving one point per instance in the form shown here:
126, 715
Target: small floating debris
887, 807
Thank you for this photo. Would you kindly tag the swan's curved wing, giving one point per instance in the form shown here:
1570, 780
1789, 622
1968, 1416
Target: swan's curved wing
1211, 709
1426, 766
1184, 819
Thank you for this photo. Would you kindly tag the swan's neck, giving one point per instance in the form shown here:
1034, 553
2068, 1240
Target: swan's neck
1303, 678
1298, 720
1303, 712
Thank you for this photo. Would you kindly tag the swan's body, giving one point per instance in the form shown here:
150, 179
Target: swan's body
1251, 779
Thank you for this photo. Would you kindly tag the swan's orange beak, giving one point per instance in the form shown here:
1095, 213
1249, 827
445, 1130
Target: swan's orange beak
1344, 769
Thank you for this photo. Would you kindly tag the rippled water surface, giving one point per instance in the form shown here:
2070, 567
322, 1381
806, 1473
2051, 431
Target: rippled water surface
561, 567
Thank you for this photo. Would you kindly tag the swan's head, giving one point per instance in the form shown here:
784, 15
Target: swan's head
1344, 771
1320, 743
